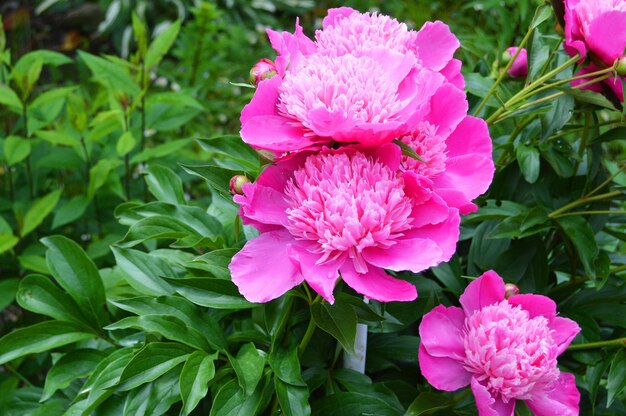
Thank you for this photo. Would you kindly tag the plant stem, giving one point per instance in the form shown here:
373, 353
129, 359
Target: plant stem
619, 342
618, 269
88, 180
504, 72
599, 212
10, 182
29, 169
310, 329
18, 375
607, 181
581, 201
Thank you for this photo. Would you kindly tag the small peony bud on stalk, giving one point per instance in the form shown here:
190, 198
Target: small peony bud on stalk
236, 184
510, 289
519, 69
620, 68
263, 69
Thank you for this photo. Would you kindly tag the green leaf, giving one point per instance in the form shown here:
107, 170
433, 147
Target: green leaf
216, 262
542, 14
140, 34
39, 211
34, 263
198, 370
9, 98
582, 236
248, 365
211, 293
338, 320
153, 398
616, 381
40, 337
179, 308
78, 275
57, 137
408, 150
70, 211
8, 289
529, 162
286, 365
165, 185
99, 174
75, 364
151, 362
111, 76
16, 149
352, 403
427, 403
167, 326
143, 271
7, 242
590, 97
160, 151
161, 45
218, 178
234, 149
230, 400
293, 400
125, 143
38, 294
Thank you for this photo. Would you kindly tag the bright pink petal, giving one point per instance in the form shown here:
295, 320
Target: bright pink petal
519, 68
615, 83
564, 332
436, 45
562, 400
290, 47
416, 255
250, 272
377, 285
466, 177
336, 14
443, 373
441, 332
445, 234
452, 72
263, 204
448, 107
470, 137
321, 277
432, 211
263, 101
596, 87
487, 404
607, 36
536, 305
486, 290
274, 133
457, 199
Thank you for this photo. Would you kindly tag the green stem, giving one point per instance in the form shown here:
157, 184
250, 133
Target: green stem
618, 269
599, 212
29, 169
509, 144
7, 169
582, 201
619, 342
18, 375
310, 329
504, 72
607, 181
87, 180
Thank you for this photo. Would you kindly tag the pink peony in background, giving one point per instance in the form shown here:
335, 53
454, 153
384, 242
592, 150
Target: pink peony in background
505, 349
347, 212
596, 29
365, 79
519, 68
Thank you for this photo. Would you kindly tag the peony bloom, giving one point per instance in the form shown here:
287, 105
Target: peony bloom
519, 69
366, 79
505, 349
347, 212
597, 29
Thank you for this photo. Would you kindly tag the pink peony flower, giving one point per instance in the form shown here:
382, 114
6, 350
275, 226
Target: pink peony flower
347, 212
263, 69
597, 28
366, 79
519, 69
505, 349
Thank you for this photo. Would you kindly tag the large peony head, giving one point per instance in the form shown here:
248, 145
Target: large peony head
506, 349
345, 213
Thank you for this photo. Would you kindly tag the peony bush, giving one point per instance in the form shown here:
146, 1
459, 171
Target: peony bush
415, 218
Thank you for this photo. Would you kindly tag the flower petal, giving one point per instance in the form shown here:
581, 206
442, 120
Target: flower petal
445, 234
448, 107
443, 373
321, 277
486, 290
536, 305
414, 254
377, 285
562, 400
274, 133
436, 45
564, 332
441, 332
607, 36
250, 272
263, 205
487, 404
263, 101
452, 72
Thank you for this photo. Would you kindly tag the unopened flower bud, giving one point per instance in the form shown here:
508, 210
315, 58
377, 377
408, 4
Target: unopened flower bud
519, 69
236, 184
510, 289
620, 68
263, 69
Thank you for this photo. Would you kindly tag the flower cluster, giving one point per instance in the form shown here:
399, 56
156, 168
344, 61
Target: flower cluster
596, 29
341, 199
506, 349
